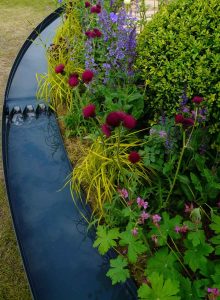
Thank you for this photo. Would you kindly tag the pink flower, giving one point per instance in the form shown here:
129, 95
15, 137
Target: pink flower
89, 111
142, 203
134, 157
106, 129
129, 122
73, 81
188, 208
87, 4
197, 99
179, 119
134, 231
144, 216
156, 219
123, 193
87, 76
59, 69
184, 229
177, 229
214, 291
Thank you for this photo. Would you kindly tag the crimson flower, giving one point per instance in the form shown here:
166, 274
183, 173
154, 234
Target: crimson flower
106, 130
134, 157
90, 34
188, 122
96, 9
129, 122
59, 69
87, 4
87, 76
89, 111
197, 99
97, 32
73, 80
179, 119
114, 118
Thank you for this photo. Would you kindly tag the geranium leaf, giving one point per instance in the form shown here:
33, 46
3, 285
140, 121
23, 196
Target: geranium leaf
135, 246
105, 239
160, 289
118, 271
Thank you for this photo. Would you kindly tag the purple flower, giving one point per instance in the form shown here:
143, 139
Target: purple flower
162, 134
142, 203
156, 219
214, 291
114, 17
144, 216
134, 231
177, 229
123, 193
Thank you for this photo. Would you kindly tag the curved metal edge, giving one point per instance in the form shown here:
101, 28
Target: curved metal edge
47, 21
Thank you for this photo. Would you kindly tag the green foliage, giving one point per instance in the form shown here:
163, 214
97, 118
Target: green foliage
164, 262
160, 289
216, 227
135, 246
216, 276
180, 47
195, 257
118, 272
106, 239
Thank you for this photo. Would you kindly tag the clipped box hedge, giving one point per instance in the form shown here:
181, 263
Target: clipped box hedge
180, 47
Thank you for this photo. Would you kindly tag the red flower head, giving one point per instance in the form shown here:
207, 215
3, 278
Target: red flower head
59, 69
114, 118
89, 111
106, 130
188, 122
197, 99
90, 34
96, 9
87, 4
87, 76
73, 80
179, 119
129, 122
134, 157
97, 32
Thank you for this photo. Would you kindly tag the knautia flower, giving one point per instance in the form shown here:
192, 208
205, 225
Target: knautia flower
87, 76
89, 111
114, 118
134, 157
87, 4
129, 122
73, 81
197, 99
123, 193
179, 119
106, 129
59, 69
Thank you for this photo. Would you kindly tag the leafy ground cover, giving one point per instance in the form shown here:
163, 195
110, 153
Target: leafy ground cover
17, 20
153, 183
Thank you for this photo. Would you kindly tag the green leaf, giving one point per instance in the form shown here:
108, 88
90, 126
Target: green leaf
135, 246
196, 182
196, 237
196, 256
160, 289
167, 228
164, 262
216, 276
106, 239
118, 271
215, 225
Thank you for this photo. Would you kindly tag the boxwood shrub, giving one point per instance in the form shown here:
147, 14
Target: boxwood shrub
180, 47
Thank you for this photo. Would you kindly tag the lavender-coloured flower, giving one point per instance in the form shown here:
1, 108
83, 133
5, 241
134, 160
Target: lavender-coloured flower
156, 219
144, 216
134, 231
113, 17
142, 203
123, 193
162, 134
